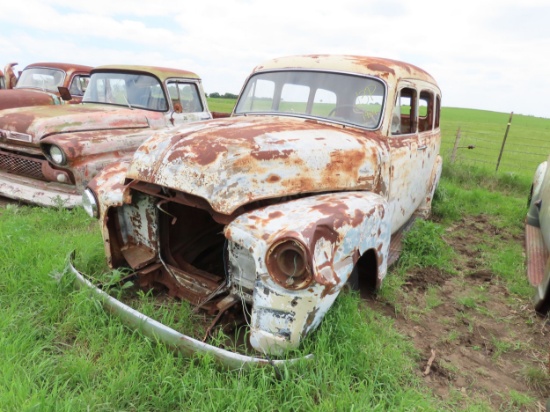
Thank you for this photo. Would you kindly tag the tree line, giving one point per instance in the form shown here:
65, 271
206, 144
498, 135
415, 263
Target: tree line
217, 95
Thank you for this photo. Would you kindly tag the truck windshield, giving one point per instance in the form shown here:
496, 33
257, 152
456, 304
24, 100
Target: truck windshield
41, 78
126, 89
338, 97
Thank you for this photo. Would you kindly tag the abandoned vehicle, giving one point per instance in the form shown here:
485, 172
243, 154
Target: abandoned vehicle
325, 160
48, 154
537, 238
39, 83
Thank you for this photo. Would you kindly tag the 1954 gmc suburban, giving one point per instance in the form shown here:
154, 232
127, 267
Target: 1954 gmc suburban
304, 189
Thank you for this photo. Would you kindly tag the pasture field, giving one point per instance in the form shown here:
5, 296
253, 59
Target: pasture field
527, 143
452, 328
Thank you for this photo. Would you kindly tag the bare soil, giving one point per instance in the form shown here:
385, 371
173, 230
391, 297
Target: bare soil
489, 349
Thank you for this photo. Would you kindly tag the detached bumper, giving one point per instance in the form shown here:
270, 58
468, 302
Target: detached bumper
38, 192
156, 330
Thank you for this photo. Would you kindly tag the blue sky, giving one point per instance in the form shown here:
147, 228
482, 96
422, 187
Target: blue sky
485, 54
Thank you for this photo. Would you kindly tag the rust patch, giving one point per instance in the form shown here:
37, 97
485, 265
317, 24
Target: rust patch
271, 154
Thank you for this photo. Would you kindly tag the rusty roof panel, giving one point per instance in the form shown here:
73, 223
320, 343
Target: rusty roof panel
66, 67
162, 73
388, 69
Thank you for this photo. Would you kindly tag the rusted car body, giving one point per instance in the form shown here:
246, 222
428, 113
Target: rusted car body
39, 83
323, 162
48, 154
537, 238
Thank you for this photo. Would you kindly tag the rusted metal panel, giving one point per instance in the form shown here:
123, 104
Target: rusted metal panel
389, 69
334, 231
38, 192
44, 121
281, 157
163, 73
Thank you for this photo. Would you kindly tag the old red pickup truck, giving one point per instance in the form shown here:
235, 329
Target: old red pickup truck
48, 154
39, 84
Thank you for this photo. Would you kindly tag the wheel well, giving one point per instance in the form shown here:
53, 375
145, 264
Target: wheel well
364, 276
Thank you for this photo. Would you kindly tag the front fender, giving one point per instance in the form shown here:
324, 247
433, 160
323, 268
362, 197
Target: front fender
336, 229
109, 187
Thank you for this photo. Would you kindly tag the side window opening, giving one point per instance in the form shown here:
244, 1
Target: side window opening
425, 111
185, 97
78, 85
405, 112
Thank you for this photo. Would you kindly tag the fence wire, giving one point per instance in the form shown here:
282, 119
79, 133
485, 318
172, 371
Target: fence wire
524, 147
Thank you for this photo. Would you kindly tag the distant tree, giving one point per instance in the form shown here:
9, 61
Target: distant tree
229, 96
215, 95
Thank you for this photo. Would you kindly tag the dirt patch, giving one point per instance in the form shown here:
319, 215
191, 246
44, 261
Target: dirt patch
484, 342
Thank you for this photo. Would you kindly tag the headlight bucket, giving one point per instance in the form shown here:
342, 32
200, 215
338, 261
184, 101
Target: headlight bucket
89, 203
288, 264
57, 155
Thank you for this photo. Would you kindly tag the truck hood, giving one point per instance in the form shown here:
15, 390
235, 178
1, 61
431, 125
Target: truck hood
40, 122
11, 98
235, 161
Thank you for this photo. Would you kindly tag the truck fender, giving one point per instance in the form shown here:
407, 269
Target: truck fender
108, 186
335, 230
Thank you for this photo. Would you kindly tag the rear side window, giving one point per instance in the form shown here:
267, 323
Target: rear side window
415, 111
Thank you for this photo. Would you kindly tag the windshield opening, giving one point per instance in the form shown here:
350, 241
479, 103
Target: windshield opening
339, 97
133, 90
41, 78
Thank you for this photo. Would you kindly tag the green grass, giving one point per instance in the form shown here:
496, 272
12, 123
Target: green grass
221, 104
527, 143
61, 352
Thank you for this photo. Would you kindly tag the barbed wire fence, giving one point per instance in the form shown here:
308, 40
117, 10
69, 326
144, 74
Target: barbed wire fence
503, 150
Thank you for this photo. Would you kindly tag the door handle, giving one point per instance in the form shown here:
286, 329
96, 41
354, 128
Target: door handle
422, 147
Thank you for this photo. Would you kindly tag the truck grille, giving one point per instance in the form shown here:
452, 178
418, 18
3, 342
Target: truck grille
22, 165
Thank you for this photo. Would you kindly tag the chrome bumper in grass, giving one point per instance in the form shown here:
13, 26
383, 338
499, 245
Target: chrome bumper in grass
158, 331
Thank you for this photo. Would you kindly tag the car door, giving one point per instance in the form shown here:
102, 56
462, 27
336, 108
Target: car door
414, 145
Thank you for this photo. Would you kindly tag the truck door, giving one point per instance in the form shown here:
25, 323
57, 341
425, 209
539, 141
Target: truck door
186, 103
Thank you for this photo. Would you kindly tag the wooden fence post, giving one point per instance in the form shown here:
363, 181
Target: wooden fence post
457, 141
504, 140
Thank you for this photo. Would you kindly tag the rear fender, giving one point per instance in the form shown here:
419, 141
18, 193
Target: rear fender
425, 209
